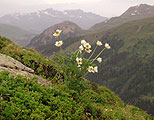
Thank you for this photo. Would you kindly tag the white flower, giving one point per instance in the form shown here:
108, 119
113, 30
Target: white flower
91, 69
83, 42
96, 69
79, 60
79, 66
59, 43
107, 46
99, 43
81, 49
57, 33
99, 60
88, 50
87, 45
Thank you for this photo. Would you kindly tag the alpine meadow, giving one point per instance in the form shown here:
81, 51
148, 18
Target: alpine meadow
65, 60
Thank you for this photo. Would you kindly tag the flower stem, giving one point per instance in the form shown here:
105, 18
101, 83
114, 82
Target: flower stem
85, 74
92, 53
75, 51
60, 51
98, 55
83, 53
60, 47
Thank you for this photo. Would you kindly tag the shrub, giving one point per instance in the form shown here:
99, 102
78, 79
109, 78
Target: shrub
26, 99
74, 66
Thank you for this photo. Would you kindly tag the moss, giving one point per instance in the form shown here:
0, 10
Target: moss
30, 58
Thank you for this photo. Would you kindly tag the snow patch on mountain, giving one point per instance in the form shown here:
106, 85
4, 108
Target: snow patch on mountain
50, 17
133, 14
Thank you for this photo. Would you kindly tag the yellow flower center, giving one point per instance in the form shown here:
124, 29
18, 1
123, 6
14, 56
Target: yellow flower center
87, 49
57, 32
80, 61
91, 69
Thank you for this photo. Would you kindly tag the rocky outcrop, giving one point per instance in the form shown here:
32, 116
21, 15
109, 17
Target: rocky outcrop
16, 68
8, 62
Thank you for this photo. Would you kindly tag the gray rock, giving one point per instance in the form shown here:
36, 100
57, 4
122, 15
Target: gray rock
8, 62
16, 68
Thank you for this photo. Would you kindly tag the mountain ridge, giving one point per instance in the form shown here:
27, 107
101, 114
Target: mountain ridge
133, 13
38, 21
99, 28
46, 39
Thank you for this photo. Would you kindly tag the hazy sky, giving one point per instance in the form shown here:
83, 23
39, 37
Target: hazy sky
108, 8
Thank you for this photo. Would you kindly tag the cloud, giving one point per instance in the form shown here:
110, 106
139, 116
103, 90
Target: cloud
107, 8
69, 1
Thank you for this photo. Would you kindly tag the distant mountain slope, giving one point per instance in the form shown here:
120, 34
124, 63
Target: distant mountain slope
17, 35
128, 69
133, 13
38, 21
45, 42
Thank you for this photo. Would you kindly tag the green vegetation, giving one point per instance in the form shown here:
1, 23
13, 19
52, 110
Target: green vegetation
26, 99
30, 58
